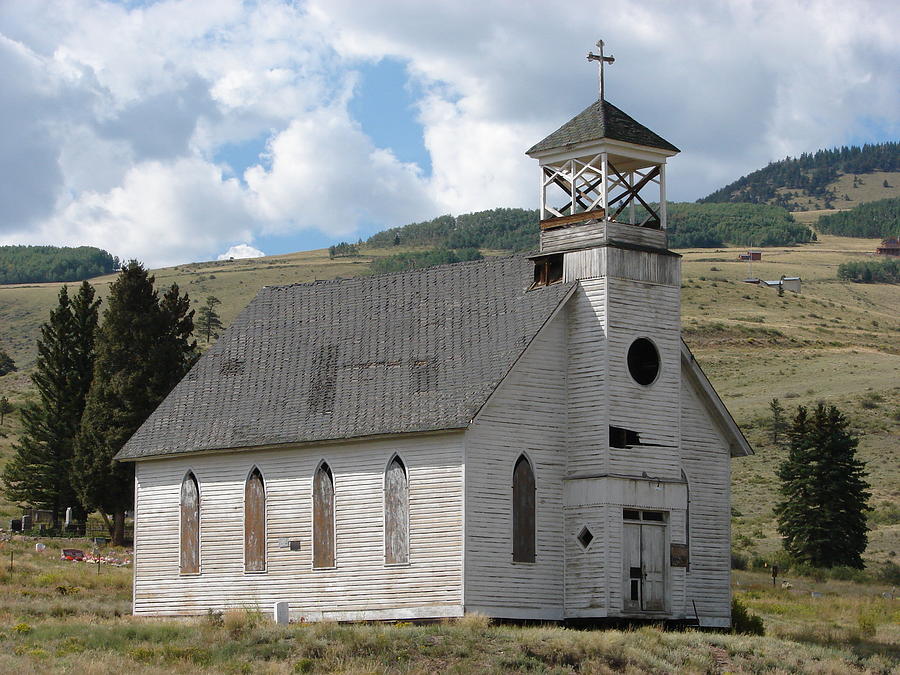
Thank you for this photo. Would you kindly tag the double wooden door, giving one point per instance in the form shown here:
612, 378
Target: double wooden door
645, 565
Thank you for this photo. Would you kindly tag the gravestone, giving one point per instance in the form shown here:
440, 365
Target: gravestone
15, 525
282, 613
69, 517
26, 523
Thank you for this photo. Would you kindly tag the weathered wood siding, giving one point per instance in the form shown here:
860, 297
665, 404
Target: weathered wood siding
599, 233
359, 586
527, 414
707, 464
640, 309
587, 374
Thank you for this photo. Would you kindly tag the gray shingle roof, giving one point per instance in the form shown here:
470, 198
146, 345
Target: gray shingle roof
602, 120
415, 351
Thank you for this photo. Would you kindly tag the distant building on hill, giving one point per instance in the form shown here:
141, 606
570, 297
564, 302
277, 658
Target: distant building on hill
890, 246
750, 255
788, 283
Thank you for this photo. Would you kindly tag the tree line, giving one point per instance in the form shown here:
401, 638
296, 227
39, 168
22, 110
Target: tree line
885, 271
403, 262
97, 380
690, 226
875, 219
811, 172
38, 264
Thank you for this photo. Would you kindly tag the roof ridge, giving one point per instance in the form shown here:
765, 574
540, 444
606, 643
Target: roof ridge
418, 270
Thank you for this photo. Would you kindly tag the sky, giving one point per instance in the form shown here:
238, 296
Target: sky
185, 130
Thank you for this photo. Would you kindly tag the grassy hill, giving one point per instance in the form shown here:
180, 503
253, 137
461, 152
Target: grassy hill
837, 178
65, 617
836, 341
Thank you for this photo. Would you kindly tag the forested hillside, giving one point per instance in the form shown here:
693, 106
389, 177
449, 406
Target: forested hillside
35, 264
793, 181
875, 219
503, 229
690, 226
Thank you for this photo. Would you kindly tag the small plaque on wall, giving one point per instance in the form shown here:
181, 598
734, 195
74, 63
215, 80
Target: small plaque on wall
678, 555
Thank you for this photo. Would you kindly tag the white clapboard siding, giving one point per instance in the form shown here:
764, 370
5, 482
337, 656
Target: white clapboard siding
587, 374
598, 233
526, 414
360, 585
623, 263
639, 309
707, 464
587, 570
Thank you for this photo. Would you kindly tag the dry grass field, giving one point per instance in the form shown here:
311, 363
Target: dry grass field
64, 617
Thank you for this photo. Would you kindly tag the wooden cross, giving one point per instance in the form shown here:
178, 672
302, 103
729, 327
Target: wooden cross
601, 59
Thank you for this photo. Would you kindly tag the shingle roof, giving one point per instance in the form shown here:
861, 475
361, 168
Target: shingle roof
414, 351
602, 120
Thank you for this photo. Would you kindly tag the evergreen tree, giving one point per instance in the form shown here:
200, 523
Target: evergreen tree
39, 472
778, 425
5, 409
143, 349
208, 318
7, 365
825, 494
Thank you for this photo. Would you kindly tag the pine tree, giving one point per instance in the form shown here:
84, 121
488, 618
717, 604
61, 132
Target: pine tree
5, 409
208, 318
7, 365
825, 495
143, 350
40, 473
778, 425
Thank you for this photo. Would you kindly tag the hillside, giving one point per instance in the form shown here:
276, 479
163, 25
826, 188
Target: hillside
836, 341
874, 219
839, 178
27, 264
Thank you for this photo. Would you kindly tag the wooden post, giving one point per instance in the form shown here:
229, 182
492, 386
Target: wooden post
662, 196
543, 194
572, 185
604, 175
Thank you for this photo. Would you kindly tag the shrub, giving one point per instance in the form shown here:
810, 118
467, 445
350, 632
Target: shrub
738, 561
889, 573
743, 621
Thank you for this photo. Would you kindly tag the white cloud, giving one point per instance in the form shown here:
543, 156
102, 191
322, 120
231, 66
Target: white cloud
114, 115
241, 251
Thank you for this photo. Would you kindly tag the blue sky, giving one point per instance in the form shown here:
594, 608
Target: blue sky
180, 130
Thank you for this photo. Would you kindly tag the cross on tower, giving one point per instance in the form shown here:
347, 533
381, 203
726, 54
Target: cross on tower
601, 60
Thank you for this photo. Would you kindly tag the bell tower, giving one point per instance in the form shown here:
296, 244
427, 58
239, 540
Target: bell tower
603, 180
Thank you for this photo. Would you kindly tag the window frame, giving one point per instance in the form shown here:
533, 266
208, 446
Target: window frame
396, 457
323, 463
265, 520
193, 474
523, 457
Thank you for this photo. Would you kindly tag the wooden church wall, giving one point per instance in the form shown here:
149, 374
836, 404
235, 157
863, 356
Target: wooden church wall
526, 414
707, 463
359, 586
588, 413
639, 309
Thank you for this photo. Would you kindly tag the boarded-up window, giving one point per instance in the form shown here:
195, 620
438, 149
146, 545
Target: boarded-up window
523, 511
190, 525
323, 517
255, 523
396, 513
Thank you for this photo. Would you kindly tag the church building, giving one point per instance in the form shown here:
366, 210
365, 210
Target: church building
527, 437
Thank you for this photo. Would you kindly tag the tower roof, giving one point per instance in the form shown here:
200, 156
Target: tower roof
601, 119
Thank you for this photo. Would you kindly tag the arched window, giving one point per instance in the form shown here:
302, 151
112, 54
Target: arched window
323, 517
687, 518
396, 513
523, 511
190, 525
255, 523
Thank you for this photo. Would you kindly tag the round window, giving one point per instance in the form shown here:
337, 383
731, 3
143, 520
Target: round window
643, 361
